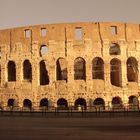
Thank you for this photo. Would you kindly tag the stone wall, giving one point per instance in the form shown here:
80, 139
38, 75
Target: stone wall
94, 40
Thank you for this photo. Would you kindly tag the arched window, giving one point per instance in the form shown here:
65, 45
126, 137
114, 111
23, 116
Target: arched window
97, 68
132, 70
44, 102
44, 77
11, 102
27, 103
115, 73
114, 49
27, 70
80, 102
43, 50
79, 69
11, 71
61, 69
62, 103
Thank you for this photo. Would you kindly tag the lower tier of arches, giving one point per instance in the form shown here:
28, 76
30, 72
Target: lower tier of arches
116, 103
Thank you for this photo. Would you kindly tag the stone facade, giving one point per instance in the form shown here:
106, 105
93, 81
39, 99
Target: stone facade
70, 64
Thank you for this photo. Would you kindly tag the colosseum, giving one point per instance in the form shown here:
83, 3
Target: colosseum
65, 65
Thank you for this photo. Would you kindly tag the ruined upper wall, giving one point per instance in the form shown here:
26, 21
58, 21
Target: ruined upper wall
66, 32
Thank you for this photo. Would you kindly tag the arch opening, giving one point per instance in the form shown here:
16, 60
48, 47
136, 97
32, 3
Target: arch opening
44, 102
97, 68
115, 74
27, 103
61, 69
133, 102
117, 103
80, 102
132, 70
11, 71
27, 71
114, 49
79, 69
44, 77
11, 102
99, 103
43, 50
62, 103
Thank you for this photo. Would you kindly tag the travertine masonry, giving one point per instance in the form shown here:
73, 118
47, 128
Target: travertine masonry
60, 65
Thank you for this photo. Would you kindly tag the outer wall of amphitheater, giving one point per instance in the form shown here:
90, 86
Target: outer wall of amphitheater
70, 64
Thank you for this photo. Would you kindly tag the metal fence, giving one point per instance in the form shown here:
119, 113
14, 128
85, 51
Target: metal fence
73, 111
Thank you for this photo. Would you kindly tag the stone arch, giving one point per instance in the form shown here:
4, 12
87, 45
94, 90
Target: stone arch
27, 70
11, 71
43, 50
27, 103
79, 69
132, 69
97, 68
44, 102
44, 77
61, 69
115, 74
80, 102
99, 101
117, 102
133, 100
114, 49
62, 103
11, 102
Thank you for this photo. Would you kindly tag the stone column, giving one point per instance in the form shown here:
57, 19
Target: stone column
125, 98
108, 101
4, 70
106, 56
19, 73
51, 63
123, 48
35, 64
107, 75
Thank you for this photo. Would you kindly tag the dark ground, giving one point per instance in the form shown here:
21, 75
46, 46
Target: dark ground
42, 128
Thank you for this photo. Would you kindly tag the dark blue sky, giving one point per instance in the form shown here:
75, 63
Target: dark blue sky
31, 12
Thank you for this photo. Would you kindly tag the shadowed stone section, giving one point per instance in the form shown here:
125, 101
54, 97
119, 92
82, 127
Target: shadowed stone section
11, 102
27, 103
44, 77
132, 69
61, 69
11, 71
115, 65
79, 69
62, 103
98, 68
44, 102
27, 71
